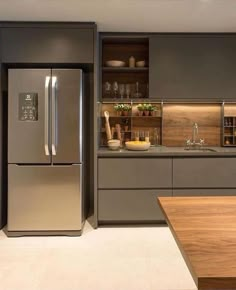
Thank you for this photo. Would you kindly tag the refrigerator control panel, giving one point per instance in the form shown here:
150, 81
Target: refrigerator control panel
28, 106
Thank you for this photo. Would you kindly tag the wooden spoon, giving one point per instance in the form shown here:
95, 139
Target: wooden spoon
107, 125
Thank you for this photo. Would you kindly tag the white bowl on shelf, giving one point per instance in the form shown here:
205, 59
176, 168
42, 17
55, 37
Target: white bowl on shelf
140, 63
115, 63
114, 144
137, 145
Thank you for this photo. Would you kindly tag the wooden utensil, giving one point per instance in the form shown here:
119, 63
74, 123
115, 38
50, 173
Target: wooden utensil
118, 131
113, 131
107, 125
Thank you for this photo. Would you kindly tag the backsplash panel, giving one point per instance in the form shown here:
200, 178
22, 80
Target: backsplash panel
178, 120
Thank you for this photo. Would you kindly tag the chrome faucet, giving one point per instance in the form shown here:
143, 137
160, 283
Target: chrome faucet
194, 143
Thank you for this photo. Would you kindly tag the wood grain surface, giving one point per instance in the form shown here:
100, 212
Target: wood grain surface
205, 231
230, 110
178, 121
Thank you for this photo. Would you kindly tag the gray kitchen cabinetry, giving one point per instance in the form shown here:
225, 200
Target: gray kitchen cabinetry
134, 173
128, 188
47, 45
204, 173
119, 205
192, 66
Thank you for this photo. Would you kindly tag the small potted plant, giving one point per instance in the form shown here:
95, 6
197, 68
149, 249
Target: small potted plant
118, 108
152, 110
126, 109
146, 108
140, 109
122, 109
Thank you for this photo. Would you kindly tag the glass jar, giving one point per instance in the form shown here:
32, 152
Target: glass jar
131, 61
155, 137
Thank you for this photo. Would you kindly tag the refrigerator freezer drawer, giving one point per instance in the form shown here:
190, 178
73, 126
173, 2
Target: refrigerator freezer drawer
44, 198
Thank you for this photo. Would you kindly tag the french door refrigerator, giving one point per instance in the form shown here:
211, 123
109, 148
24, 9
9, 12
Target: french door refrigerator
45, 154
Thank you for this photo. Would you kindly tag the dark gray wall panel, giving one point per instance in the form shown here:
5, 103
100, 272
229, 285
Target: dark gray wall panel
130, 205
204, 172
47, 45
134, 173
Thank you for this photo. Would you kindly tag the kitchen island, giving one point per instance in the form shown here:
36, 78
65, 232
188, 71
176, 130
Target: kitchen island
205, 231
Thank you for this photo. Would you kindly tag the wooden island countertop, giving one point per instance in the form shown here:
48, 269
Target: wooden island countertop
205, 231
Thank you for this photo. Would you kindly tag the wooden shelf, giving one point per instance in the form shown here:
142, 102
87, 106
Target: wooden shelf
124, 69
146, 117
130, 100
133, 116
129, 116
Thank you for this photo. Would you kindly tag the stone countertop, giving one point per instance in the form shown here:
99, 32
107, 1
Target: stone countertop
170, 152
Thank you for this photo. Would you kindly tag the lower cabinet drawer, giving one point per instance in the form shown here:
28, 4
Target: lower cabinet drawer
204, 192
130, 205
130, 173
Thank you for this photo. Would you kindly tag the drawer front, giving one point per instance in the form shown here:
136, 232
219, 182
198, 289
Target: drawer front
204, 173
204, 192
134, 173
130, 205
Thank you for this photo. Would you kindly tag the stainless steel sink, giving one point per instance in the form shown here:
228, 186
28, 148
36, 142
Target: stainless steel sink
200, 150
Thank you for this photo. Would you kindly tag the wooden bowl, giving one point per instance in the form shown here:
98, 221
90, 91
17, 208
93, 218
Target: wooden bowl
115, 63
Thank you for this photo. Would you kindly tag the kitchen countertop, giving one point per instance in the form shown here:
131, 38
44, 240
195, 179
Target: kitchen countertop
170, 152
205, 231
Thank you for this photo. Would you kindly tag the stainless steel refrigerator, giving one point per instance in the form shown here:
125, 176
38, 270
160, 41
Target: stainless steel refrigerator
45, 154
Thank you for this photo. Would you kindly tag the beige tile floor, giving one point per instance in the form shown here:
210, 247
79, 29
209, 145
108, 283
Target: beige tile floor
109, 258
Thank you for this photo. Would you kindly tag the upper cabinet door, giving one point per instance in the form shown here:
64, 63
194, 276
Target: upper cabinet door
192, 67
47, 45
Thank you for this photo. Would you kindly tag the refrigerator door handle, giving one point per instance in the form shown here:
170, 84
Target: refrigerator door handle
54, 116
46, 125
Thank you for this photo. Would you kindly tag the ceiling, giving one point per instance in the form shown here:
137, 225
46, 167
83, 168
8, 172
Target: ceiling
129, 15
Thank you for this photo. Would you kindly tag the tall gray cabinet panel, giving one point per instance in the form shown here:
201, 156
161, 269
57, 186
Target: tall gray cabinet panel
1, 134
192, 67
47, 45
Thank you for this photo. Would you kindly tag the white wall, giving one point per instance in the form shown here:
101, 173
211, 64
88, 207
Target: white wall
129, 15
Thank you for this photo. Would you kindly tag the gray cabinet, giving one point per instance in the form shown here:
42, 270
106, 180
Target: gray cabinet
192, 66
128, 188
204, 192
47, 45
134, 173
204, 173
130, 205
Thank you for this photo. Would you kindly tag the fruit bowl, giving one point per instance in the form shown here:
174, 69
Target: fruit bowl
137, 145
